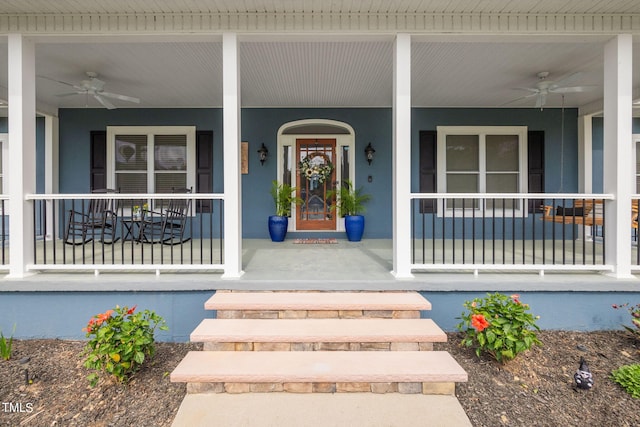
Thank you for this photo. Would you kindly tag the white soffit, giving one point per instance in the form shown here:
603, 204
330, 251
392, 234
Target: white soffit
320, 6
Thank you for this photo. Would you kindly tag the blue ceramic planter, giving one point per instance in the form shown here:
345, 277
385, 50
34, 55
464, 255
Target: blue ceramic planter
354, 225
278, 227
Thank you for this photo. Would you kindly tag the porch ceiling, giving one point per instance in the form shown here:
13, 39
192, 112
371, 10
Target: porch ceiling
314, 70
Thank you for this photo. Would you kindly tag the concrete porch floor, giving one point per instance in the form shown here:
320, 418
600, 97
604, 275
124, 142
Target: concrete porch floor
365, 265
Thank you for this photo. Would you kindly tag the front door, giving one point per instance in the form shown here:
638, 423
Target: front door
316, 176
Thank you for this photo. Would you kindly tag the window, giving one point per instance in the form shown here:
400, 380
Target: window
151, 159
482, 160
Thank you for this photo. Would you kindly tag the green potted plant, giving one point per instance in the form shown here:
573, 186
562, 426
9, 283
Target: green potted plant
284, 197
350, 205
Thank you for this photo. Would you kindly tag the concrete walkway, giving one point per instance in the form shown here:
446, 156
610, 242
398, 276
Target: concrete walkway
320, 410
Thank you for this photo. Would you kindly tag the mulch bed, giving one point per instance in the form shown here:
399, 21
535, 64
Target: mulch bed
536, 389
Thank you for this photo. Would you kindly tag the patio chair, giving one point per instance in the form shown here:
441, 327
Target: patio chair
98, 220
168, 226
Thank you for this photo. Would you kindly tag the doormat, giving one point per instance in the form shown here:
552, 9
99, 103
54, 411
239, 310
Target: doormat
314, 241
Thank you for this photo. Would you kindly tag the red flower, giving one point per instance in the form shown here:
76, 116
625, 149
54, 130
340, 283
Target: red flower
515, 299
102, 317
479, 322
90, 325
132, 309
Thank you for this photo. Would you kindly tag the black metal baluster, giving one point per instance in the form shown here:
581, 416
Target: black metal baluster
444, 222
493, 231
433, 231
221, 230
484, 235
424, 233
524, 229
453, 230
413, 231
464, 220
533, 232
35, 240
473, 231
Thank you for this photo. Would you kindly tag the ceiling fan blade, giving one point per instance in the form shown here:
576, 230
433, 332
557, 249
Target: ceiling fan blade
104, 102
57, 81
566, 79
79, 92
62, 83
572, 89
520, 98
528, 89
120, 97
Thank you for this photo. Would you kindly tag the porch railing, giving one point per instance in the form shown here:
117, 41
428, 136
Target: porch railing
126, 241
529, 232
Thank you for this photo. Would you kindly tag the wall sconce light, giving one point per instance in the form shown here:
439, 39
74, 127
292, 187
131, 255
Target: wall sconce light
263, 152
369, 152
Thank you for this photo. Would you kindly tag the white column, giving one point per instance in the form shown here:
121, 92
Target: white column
618, 173
585, 154
231, 156
51, 162
22, 151
402, 157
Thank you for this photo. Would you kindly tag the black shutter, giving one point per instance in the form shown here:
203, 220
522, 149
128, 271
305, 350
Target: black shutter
428, 172
204, 168
535, 156
98, 166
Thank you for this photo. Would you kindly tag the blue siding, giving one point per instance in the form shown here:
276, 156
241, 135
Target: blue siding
548, 120
370, 125
76, 125
597, 150
569, 311
64, 314
260, 125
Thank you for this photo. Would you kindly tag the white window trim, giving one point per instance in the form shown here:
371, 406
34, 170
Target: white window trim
482, 131
189, 131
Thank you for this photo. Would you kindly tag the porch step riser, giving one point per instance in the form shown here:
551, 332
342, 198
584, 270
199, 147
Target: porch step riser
432, 388
318, 346
427, 372
318, 314
318, 334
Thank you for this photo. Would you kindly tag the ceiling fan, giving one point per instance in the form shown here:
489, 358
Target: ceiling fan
545, 87
93, 86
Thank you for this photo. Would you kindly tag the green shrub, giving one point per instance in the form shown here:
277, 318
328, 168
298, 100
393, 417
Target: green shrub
499, 325
629, 378
6, 345
120, 341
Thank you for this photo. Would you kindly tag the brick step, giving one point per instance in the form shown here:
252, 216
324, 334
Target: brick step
428, 372
318, 334
278, 305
